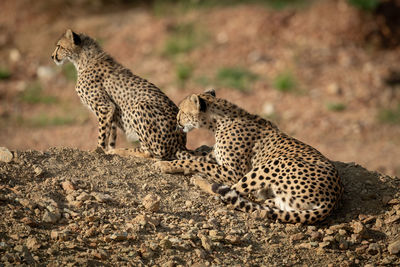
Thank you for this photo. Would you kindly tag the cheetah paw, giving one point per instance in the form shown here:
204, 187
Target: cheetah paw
167, 167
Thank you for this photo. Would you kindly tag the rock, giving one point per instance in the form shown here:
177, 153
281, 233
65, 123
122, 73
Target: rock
37, 170
5, 155
297, 237
205, 242
119, 236
100, 254
216, 235
101, 197
26, 203
358, 228
268, 109
392, 219
45, 72
386, 199
315, 236
373, 249
51, 217
303, 245
233, 239
60, 235
29, 221
343, 244
68, 186
83, 197
394, 247
165, 244
32, 244
200, 253
151, 202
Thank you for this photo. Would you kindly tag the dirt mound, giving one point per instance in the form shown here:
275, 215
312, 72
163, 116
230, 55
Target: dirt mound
71, 207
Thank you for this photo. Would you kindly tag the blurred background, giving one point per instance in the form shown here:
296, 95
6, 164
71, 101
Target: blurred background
327, 72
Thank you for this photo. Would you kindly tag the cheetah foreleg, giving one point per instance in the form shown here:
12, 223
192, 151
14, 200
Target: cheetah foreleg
216, 173
105, 116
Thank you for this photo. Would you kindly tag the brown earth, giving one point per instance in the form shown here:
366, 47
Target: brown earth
65, 207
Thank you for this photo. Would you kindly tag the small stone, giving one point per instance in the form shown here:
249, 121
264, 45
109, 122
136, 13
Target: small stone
358, 228
119, 236
315, 236
304, 245
68, 186
392, 219
101, 197
5, 155
298, 236
200, 253
45, 72
329, 232
233, 239
373, 249
151, 202
165, 244
100, 254
205, 242
83, 197
37, 170
26, 203
394, 247
51, 217
216, 235
324, 244
29, 221
343, 244
379, 223
32, 243
342, 232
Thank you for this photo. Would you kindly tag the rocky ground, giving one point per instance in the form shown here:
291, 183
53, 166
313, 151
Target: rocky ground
65, 207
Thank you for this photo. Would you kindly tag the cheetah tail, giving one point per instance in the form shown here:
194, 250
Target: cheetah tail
232, 197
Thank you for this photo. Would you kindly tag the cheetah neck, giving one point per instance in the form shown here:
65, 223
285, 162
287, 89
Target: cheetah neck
88, 55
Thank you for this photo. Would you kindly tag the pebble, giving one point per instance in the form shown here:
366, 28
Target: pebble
32, 244
151, 202
373, 249
119, 236
165, 244
5, 155
298, 236
51, 217
205, 242
216, 235
358, 228
394, 247
101, 197
315, 236
233, 239
68, 186
83, 197
200, 253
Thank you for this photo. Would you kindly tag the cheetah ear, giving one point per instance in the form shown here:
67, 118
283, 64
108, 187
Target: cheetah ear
210, 92
75, 38
199, 102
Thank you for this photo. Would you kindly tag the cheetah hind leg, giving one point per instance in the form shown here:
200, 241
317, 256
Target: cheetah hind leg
130, 152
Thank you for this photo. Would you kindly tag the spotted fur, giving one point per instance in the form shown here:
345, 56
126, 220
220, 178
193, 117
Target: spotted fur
252, 155
121, 99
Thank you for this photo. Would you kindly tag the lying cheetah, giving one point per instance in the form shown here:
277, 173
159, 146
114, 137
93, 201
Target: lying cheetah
301, 184
121, 99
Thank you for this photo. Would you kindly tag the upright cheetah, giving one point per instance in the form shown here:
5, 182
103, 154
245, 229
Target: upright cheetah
253, 154
121, 99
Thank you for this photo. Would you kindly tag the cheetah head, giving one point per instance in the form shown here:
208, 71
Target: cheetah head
66, 47
192, 111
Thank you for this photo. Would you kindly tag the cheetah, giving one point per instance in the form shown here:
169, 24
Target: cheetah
121, 99
251, 155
